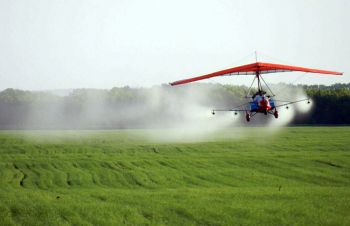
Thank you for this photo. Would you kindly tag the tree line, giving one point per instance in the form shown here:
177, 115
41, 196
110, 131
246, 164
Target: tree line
126, 107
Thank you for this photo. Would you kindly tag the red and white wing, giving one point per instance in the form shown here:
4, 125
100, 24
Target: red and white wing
256, 68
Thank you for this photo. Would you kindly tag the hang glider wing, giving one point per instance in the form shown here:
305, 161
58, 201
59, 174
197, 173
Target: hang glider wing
256, 68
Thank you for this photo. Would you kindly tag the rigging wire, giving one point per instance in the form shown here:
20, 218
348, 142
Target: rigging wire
233, 64
275, 59
267, 85
247, 95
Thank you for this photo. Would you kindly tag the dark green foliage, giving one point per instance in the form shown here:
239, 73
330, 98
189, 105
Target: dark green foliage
332, 105
25, 109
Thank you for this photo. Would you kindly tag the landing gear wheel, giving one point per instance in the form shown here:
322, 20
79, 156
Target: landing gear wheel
247, 117
275, 114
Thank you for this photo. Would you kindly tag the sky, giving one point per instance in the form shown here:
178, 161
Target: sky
64, 44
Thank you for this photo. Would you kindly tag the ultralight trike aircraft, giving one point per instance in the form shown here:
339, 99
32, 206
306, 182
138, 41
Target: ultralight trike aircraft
260, 101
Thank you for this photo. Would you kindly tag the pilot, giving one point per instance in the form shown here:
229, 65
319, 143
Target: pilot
257, 97
264, 101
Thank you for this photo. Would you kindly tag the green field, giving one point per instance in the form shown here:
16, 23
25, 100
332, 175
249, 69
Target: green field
298, 176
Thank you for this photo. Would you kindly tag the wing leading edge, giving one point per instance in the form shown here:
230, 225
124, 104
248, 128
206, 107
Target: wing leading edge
256, 68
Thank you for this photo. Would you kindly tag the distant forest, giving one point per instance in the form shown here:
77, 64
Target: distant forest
125, 107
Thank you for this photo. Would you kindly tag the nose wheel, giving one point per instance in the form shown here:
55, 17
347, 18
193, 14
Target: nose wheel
247, 117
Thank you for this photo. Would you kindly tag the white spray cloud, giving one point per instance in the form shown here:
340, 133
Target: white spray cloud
194, 111
287, 113
176, 114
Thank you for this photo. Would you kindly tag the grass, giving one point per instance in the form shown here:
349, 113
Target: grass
299, 176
